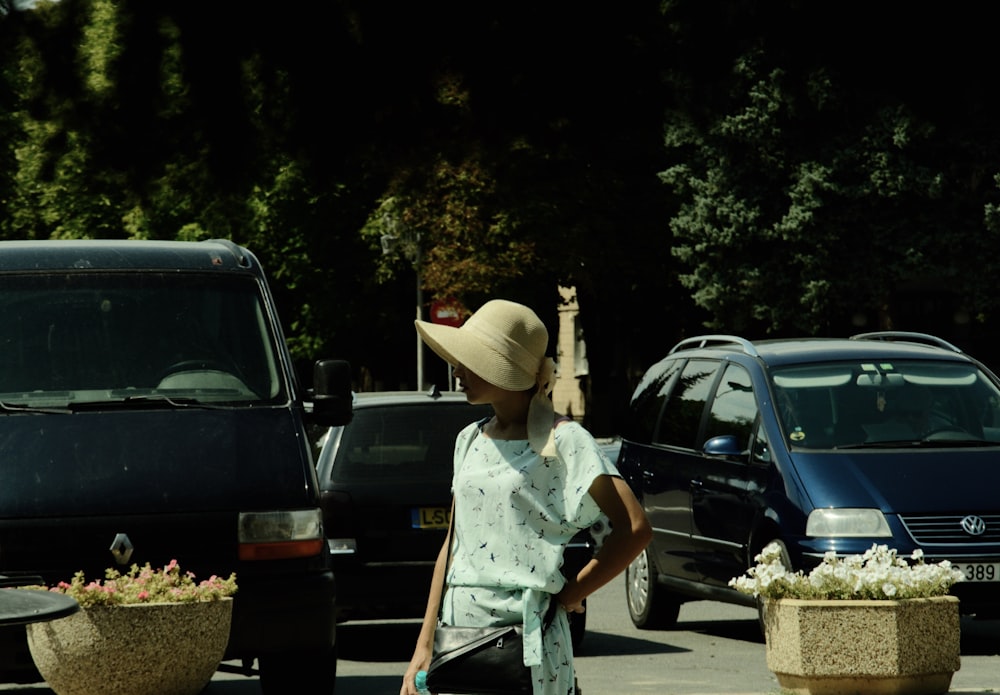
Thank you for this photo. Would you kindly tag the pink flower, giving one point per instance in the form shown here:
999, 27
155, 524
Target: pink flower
145, 585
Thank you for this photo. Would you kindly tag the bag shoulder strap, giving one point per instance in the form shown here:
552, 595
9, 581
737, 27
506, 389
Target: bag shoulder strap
451, 515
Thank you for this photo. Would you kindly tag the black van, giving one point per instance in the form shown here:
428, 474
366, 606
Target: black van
149, 411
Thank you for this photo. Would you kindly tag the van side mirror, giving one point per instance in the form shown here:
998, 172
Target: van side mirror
332, 401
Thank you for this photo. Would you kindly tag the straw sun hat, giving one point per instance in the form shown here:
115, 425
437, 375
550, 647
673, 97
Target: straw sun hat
504, 344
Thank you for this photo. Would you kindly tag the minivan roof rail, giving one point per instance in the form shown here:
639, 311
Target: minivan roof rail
701, 341
907, 336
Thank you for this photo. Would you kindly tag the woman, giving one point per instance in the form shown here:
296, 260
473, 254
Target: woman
525, 482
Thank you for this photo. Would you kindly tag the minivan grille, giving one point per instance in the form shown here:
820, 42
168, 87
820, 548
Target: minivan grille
949, 529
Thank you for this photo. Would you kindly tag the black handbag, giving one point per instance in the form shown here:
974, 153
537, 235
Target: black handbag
488, 660
478, 660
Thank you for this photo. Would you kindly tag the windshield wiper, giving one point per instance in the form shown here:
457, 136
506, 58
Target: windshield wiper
146, 401
920, 444
21, 408
956, 443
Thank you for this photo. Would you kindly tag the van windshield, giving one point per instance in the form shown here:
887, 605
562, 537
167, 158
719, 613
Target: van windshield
134, 337
880, 403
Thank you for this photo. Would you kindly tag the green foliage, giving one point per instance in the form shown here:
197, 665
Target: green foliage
450, 223
753, 167
816, 181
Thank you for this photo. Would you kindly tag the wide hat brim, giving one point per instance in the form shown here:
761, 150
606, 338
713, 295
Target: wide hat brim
504, 344
485, 358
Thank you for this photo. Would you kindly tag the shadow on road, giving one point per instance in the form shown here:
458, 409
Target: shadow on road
233, 687
747, 630
389, 642
377, 641
980, 637
608, 644
393, 642
367, 685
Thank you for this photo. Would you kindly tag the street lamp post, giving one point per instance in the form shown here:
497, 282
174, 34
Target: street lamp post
420, 315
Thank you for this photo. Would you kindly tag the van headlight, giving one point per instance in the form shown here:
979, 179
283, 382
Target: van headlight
281, 535
832, 523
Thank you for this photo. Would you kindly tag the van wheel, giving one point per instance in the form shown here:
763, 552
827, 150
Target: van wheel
761, 603
309, 672
649, 605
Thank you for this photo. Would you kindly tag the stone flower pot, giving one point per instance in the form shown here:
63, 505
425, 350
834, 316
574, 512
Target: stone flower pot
133, 649
844, 647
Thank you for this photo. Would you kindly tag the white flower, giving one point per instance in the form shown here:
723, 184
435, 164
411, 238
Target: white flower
876, 574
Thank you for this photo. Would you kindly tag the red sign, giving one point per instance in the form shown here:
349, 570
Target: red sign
449, 312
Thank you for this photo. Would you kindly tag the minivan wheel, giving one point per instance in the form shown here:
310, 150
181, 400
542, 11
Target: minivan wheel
649, 605
309, 672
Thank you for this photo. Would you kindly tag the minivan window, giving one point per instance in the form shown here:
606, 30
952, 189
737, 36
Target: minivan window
70, 338
854, 404
734, 408
648, 400
682, 414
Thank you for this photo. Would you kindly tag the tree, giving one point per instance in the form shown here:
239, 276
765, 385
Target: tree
830, 165
520, 141
540, 169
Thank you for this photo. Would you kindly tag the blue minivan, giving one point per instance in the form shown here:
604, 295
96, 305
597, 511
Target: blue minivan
888, 438
149, 412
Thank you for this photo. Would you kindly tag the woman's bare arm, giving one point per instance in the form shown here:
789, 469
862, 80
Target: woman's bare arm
630, 534
424, 648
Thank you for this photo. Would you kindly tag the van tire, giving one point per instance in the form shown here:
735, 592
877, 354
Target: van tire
649, 605
308, 672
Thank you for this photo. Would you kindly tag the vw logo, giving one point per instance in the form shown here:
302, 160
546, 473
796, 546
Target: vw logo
974, 525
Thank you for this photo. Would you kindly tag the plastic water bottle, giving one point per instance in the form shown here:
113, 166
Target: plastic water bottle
421, 682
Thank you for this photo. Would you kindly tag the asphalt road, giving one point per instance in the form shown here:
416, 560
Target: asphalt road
715, 649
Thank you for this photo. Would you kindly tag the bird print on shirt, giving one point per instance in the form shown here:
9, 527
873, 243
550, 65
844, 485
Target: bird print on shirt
514, 513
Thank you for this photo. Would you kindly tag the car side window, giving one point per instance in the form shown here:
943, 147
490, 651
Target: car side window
647, 402
734, 408
682, 413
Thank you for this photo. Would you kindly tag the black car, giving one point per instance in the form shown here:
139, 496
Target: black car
149, 412
386, 495
822, 445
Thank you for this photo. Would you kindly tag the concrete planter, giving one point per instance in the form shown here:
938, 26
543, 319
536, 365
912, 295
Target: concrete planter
136, 649
908, 647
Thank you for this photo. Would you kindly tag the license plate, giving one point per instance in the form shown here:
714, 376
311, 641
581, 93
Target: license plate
430, 517
979, 571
